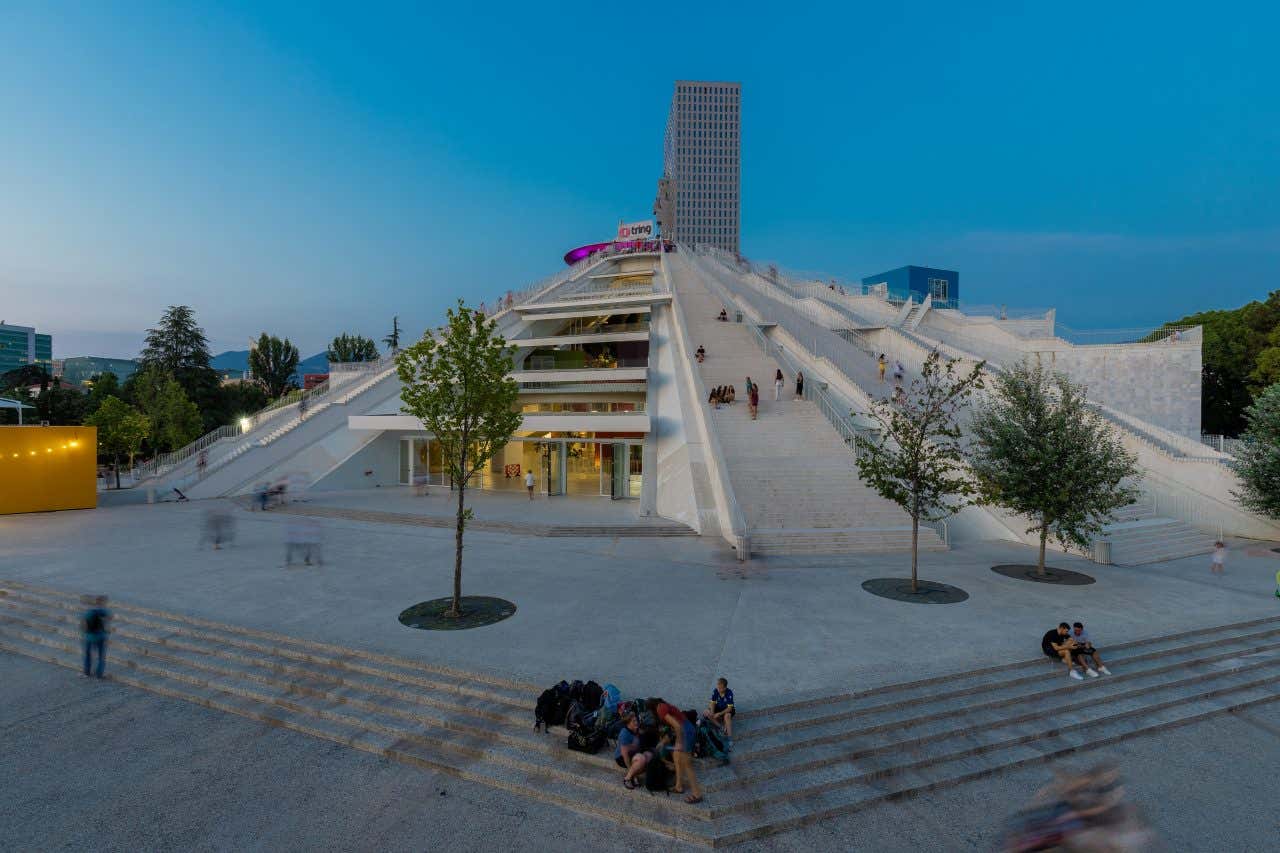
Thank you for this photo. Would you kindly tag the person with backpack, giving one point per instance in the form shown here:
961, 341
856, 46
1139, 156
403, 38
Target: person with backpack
94, 626
720, 709
682, 754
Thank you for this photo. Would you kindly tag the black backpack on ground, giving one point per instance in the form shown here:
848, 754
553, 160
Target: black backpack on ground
656, 776
575, 691
592, 695
577, 717
552, 706
586, 740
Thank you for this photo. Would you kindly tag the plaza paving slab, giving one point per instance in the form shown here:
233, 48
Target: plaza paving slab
97, 765
655, 616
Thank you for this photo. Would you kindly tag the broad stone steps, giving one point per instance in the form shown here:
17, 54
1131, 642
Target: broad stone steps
936, 732
527, 750
909, 779
415, 673
891, 756
578, 790
1037, 672
790, 470
452, 710
839, 540
766, 790
640, 530
1139, 671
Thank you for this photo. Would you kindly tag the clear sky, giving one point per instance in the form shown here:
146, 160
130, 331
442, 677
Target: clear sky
308, 170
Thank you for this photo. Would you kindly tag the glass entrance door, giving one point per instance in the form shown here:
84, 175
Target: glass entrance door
620, 480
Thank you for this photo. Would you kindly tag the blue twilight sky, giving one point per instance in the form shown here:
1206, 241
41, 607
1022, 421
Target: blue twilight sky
310, 169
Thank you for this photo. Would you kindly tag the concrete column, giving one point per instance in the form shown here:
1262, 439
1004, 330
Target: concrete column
649, 455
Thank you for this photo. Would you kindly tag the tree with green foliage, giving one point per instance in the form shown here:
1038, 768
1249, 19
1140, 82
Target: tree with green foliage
273, 363
178, 345
121, 430
917, 461
1258, 459
240, 399
175, 420
346, 348
1040, 451
61, 405
1241, 356
458, 385
392, 340
26, 376
102, 386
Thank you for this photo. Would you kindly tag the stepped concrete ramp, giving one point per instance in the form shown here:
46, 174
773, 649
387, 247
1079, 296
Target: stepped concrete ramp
791, 472
313, 445
795, 763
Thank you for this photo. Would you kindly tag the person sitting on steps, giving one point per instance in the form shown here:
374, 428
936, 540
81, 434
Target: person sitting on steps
636, 748
724, 316
720, 709
1087, 653
700, 355
1058, 645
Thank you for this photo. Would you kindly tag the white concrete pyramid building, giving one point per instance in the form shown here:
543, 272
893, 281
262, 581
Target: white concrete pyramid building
615, 407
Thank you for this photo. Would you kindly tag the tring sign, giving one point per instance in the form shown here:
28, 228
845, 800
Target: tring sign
635, 230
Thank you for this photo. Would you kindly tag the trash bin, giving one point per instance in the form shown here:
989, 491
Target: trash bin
737, 316
1102, 552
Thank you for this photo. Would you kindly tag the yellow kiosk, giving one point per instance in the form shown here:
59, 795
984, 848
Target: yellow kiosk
44, 468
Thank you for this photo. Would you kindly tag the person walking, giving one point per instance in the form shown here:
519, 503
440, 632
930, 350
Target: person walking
898, 372
750, 385
94, 627
799, 385
882, 364
1218, 566
778, 382
202, 462
755, 401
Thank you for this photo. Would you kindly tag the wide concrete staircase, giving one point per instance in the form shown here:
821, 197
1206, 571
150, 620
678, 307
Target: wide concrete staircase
1140, 535
794, 763
792, 473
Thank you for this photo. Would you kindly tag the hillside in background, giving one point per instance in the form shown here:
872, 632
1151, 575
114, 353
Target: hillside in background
1241, 357
238, 359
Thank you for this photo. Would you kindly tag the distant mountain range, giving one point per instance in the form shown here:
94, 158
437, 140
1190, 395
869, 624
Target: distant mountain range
238, 359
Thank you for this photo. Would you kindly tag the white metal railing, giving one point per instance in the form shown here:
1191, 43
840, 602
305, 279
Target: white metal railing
1222, 444
163, 462
289, 403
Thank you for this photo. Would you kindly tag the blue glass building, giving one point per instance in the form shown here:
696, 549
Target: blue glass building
919, 282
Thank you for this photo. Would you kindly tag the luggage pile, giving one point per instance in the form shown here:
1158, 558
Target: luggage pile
595, 715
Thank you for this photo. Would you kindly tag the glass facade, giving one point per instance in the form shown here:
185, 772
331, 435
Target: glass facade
599, 465
20, 345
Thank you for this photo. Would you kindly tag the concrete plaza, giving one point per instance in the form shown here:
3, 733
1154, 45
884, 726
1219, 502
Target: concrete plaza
657, 616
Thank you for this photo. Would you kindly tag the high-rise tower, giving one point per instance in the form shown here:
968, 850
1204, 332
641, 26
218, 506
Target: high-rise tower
701, 162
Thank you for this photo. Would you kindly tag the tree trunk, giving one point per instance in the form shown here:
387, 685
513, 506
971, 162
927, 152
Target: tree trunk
115, 463
915, 547
1044, 534
456, 610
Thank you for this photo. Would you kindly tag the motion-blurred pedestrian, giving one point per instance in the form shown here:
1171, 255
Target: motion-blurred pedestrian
218, 528
93, 625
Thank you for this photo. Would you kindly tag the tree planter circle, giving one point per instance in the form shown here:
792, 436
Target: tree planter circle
927, 592
477, 611
1060, 577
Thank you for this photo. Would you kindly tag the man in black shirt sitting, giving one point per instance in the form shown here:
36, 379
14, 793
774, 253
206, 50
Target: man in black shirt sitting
1057, 644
